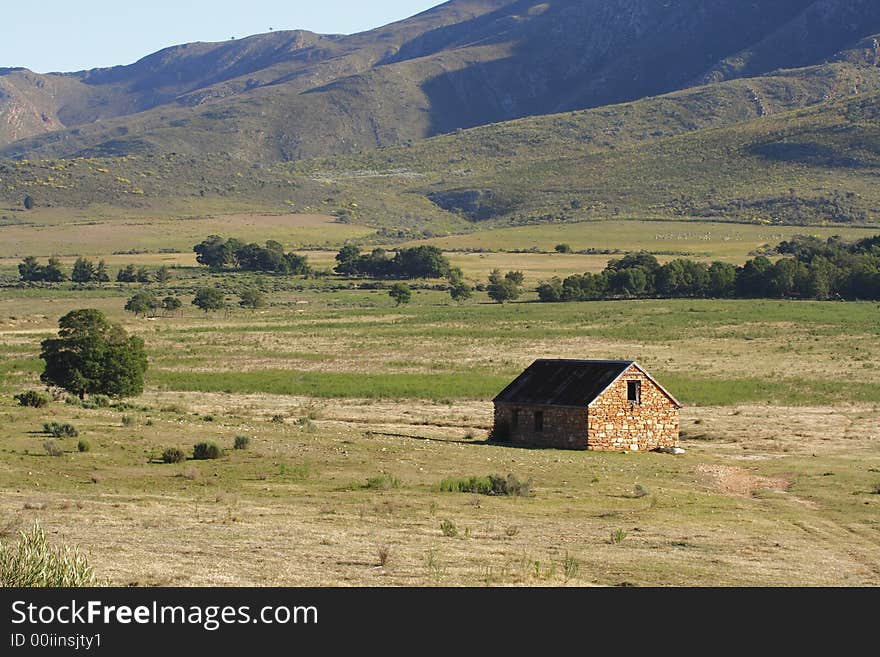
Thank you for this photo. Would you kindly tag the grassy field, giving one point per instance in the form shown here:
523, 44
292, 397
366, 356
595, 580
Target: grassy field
358, 409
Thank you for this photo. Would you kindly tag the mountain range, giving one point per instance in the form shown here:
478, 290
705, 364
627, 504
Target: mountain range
289, 95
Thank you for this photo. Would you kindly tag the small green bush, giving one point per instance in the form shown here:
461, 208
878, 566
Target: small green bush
570, 567
491, 485
206, 451
100, 401
60, 430
173, 455
382, 482
127, 420
52, 448
32, 398
32, 562
83, 446
640, 491
242, 442
448, 528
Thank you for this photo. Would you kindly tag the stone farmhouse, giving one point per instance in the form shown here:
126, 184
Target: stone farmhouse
587, 404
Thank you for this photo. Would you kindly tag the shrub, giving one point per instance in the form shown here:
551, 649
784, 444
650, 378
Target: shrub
640, 491
83, 446
33, 562
492, 485
876, 489
60, 430
278, 418
173, 455
127, 420
617, 536
382, 482
205, 451
570, 567
510, 485
100, 401
449, 529
32, 398
52, 448
242, 442
384, 554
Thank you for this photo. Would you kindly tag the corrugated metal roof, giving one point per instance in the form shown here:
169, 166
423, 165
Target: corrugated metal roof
563, 382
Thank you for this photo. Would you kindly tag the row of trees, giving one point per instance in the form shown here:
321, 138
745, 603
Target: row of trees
208, 299
86, 271
409, 263
818, 269
220, 253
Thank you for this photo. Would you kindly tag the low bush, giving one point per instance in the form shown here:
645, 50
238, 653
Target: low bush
448, 528
173, 455
52, 448
206, 451
382, 482
242, 442
60, 430
83, 446
494, 484
32, 398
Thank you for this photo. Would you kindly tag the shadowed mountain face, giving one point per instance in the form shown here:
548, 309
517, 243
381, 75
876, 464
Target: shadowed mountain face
289, 95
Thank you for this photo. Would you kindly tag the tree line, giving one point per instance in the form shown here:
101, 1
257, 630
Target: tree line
220, 253
407, 263
86, 271
811, 268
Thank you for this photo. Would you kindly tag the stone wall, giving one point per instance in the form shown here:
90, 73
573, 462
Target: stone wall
563, 428
616, 424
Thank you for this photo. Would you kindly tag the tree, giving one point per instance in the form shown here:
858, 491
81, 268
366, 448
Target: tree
28, 203
93, 356
401, 293
143, 275
216, 252
550, 291
563, 248
101, 275
142, 303
209, 298
346, 260
127, 274
503, 288
460, 291
722, 279
30, 269
251, 298
53, 271
83, 271
171, 304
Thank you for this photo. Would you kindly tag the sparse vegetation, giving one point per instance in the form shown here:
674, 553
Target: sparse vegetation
242, 442
448, 529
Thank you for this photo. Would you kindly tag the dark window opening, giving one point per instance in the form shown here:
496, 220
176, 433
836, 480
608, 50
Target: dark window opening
514, 419
539, 420
634, 392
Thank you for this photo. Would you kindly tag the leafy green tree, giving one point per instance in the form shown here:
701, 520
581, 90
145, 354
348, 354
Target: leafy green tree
251, 298
563, 248
30, 269
142, 303
209, 299
346, 260
216, 252
722, 279
53, 272
171, 304
515, 277
503, 288
93, 356
142, 275
83, 271
401, 293
460, 291
550, 291
127, 274
101, 275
